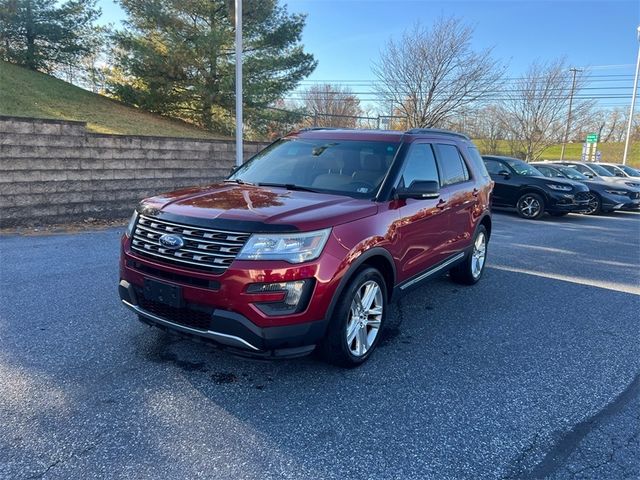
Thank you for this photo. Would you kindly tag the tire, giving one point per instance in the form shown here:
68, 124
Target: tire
595, 204
347, 322
558, 214
530, 206
469, 271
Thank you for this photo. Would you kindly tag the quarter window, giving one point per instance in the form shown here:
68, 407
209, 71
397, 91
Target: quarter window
420, 164
451, 164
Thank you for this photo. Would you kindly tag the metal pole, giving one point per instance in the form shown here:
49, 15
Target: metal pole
633, 104
239, 147
566, 132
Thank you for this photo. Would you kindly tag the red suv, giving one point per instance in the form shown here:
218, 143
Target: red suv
305, 245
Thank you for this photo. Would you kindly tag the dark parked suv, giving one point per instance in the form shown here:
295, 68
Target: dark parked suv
306, 244
603, 196
519, 185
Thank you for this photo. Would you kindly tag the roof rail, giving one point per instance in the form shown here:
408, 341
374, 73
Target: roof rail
310, 129
418, 131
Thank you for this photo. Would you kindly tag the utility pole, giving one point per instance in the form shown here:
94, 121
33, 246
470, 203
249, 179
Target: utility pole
633, 104
239, 147
566, 132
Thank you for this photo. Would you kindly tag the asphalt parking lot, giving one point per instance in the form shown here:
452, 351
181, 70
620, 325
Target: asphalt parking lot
533, 373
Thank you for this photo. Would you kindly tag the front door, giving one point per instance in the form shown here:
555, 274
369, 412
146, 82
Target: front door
423, 225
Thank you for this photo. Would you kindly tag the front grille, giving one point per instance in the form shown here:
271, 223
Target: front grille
582, 196
204, 248
634, 195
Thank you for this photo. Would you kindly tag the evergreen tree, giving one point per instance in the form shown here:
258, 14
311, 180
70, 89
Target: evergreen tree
177, 58
46, 35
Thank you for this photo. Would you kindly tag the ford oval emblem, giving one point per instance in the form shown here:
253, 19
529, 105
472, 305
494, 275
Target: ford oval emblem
171, 241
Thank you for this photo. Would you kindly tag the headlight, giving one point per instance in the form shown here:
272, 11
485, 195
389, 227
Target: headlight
632, 184
132, 223
617, 192
290, 247
562, 188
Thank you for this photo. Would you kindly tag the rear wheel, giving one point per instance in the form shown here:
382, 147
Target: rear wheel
530, 206
594, 206
358, 319
470, 270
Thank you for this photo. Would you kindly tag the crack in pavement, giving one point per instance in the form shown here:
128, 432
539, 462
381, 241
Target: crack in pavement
71, 456
559, 452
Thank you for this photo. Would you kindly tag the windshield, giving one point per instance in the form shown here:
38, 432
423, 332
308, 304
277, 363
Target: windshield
354, 168
523, 168
572, 173
603, 172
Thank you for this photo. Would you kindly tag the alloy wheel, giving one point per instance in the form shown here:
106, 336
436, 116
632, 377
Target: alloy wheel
592, 206
365, 318
530, 207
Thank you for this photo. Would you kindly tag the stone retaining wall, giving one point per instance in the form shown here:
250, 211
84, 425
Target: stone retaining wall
55, 171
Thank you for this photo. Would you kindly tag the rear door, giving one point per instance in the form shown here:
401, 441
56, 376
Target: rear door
423, 225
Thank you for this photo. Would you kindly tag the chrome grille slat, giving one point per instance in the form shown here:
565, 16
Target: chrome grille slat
189, 250
204, 248
187, 237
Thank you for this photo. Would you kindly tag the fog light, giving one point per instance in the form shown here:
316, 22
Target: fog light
295, 299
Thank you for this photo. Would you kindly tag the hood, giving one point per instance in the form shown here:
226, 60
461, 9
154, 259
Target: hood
269, 206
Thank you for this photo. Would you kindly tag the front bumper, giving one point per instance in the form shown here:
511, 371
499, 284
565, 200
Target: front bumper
619, 202
225, 328
566, 202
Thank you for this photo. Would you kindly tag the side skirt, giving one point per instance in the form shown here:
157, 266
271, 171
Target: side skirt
417, 280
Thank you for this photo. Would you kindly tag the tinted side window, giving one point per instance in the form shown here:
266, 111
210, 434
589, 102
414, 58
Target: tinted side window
547, 172
476, 160
419, 164
452, 166
493, 166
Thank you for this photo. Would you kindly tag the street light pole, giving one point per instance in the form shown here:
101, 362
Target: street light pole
633, 103
566, 132
239, 148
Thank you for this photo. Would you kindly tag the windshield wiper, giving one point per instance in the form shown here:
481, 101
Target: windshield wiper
289, 186
238, 181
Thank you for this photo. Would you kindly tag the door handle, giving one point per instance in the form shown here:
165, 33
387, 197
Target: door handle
441, 203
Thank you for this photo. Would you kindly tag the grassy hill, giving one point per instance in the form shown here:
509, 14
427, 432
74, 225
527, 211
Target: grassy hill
24, 93
611, 151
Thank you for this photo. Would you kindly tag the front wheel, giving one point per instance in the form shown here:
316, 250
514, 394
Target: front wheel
530, 206
594, 206
470, 270
354, 330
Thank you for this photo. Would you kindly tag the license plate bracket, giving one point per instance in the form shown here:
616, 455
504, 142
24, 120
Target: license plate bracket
161, 292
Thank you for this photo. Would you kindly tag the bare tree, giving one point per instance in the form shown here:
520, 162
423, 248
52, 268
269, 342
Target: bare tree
491, 129
535, 108
331, 106
430, 76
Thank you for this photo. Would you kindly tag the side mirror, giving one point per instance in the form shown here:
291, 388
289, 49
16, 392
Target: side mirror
421, 189
620, 174
588, 174
504, 173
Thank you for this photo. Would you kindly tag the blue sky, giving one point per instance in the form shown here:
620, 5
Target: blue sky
346, 36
